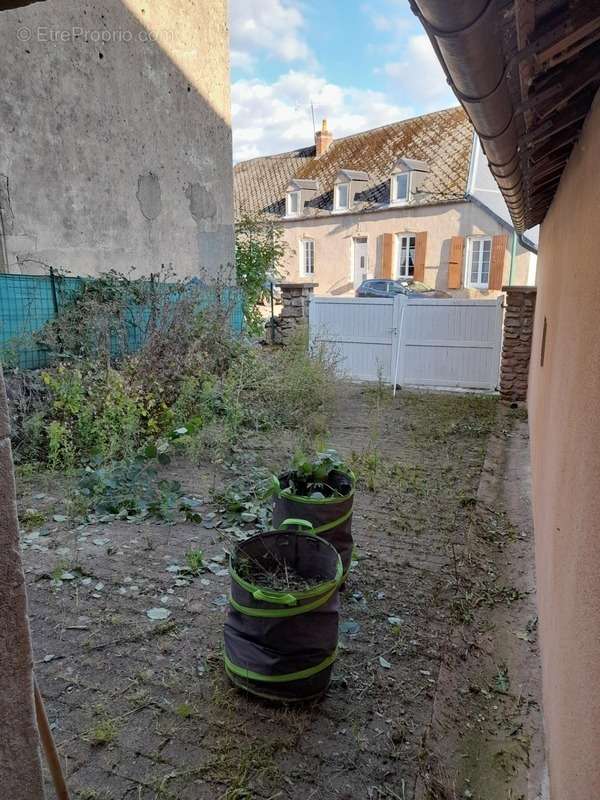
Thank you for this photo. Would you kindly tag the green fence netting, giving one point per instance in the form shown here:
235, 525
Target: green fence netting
28, 302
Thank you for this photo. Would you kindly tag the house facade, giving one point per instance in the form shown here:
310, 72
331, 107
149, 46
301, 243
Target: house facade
393, 202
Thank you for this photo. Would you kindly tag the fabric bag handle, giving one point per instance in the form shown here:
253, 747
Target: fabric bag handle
274, 597
300, 523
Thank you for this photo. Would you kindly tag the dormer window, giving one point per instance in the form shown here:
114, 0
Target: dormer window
401, 187
299, 193
347, 184
406, 180
341, 196
293, 204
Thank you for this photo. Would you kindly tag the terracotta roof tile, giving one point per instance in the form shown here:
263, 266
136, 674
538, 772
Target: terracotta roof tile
442, 139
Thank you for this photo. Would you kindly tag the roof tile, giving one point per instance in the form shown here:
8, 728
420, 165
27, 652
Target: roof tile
442, 139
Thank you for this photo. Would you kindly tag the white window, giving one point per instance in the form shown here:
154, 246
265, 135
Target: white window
293, 204
342, 193
405, 256
307, 257
400, 187
478, 263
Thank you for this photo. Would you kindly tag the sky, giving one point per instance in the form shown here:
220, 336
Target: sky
361, 64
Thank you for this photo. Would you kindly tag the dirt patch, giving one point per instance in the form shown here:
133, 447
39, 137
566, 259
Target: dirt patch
141, 709
488, 702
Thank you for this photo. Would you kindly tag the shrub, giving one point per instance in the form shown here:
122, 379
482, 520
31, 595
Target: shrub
259, 250
191, 371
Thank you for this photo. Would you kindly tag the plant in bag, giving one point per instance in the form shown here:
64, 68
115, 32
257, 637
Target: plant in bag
321, 491
317, 478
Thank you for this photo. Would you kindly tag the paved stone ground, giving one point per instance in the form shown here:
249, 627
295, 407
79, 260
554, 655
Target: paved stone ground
141, 709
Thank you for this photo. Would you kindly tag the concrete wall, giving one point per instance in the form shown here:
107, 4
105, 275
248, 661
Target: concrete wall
115, 136
564, 405
333, 236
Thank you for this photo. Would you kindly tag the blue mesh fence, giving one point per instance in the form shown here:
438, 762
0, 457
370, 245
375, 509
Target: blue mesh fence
29, 302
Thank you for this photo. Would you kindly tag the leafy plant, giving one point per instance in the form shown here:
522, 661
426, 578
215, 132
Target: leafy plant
195, 561
31, 518
245, 500
323, 476
132, 488
259, 250
192, 371
129, 489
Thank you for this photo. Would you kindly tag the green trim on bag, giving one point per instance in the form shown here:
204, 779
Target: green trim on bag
235, 679
275, 613
326, 500
331, 525
291, 676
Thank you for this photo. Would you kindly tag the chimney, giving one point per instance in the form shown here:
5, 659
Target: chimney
323, 139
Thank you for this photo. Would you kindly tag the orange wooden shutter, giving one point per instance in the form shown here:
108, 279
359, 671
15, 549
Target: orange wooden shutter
420, 250
457, 246
497, 261
387, 252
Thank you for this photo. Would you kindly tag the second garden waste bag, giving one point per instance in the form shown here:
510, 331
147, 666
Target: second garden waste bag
282, 644
330, 517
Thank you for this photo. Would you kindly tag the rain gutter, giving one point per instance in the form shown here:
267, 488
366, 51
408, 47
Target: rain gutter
467, 42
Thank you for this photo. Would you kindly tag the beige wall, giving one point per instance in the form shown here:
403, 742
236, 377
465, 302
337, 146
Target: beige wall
115, 143
564, 405
333, 236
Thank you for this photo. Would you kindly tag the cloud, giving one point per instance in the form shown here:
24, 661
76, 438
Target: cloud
240, 59
273, 117
420, 74
387, 23
275, 27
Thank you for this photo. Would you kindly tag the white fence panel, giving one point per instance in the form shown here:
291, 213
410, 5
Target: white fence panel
359, 331
450, 343
418, 342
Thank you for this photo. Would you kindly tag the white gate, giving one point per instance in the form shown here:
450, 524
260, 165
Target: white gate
360, 331
412, 342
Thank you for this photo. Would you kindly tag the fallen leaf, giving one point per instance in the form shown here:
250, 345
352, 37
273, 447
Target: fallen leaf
349, 628
158, 613
384, 663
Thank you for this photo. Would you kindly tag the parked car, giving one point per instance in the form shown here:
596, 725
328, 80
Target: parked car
380, 287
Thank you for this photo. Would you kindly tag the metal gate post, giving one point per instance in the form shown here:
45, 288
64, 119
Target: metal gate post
397, 365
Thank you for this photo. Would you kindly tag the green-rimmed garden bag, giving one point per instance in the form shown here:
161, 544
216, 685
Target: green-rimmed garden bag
331, 517
282, 645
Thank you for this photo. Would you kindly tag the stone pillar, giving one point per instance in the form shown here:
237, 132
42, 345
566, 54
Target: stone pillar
295, 298
516, 346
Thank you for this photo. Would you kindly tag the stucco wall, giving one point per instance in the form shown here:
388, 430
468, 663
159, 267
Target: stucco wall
333, 244
115, 138
564, 404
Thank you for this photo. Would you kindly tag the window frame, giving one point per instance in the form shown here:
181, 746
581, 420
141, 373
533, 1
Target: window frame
400, 237
302, 265
395, 200
336, 196
469, 283
289, 212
